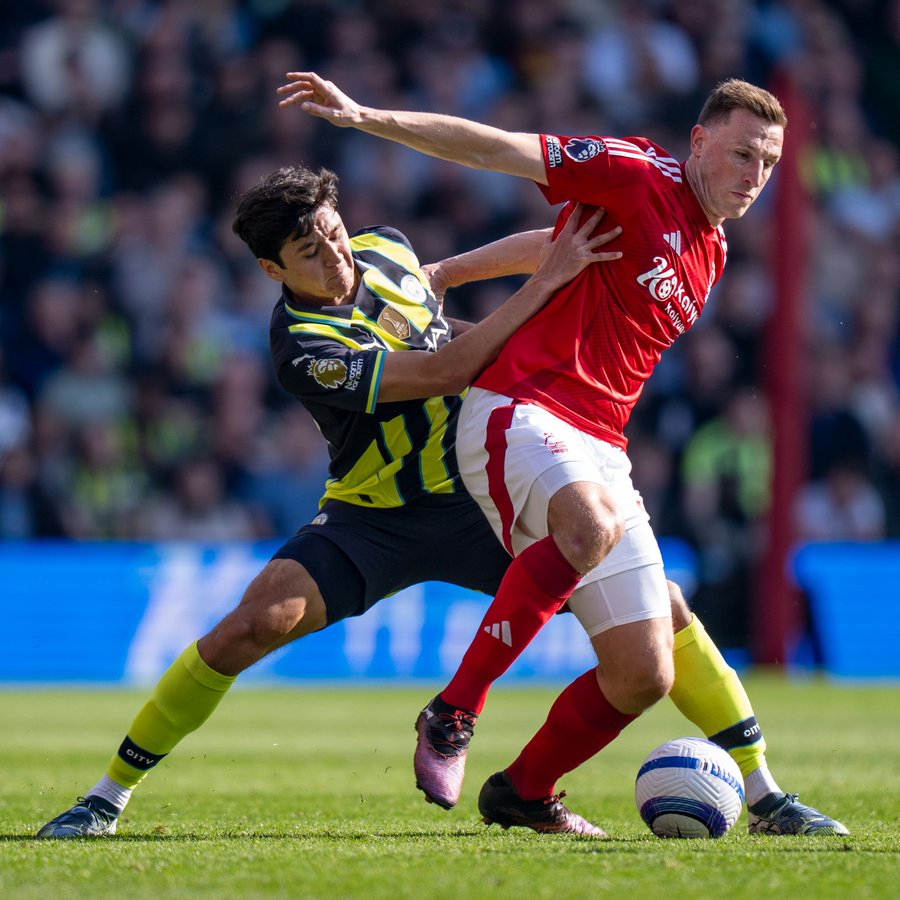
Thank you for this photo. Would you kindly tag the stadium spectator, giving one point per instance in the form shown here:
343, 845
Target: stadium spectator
836, 433
15, 414
887, 474
638, 66
195, 507
726, 476
74, 64
26, 510
842, 506
106, 486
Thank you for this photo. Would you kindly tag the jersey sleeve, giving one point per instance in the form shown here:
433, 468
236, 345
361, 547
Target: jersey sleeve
325, 371
603, 171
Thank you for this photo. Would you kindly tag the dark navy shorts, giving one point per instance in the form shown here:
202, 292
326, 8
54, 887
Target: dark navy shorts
358, 555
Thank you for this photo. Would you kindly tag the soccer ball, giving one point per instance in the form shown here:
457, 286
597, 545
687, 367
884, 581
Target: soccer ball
689, 788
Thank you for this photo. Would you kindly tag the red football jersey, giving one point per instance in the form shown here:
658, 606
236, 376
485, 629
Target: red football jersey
586, 356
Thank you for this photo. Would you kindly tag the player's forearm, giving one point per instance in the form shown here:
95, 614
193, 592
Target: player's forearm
462, 360
447, 137
456, 140
417, 374
517, 254
459, 326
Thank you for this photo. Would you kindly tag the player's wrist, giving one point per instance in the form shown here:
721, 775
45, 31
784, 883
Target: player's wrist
547, 280
451, 272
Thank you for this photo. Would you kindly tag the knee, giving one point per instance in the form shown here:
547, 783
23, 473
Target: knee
271, 611
681, 612
259, 630
641, 686
586, 538
610, 530
275, 609
653, 682
243, 638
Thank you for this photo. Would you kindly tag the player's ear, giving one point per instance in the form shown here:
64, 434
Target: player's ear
698, 139
271, 268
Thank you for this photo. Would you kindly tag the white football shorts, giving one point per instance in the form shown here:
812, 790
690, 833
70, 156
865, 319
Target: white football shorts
515, 456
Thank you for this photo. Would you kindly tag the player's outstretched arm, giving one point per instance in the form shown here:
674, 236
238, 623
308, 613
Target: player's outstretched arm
517, 254
447, 137
415, 374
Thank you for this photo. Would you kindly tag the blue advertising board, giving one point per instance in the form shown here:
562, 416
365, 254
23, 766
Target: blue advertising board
119, 613
853, 591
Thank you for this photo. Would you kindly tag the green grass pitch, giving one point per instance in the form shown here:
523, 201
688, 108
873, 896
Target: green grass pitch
308, 793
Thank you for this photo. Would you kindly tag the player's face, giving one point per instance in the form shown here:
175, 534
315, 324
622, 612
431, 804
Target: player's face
318, 268
732, 161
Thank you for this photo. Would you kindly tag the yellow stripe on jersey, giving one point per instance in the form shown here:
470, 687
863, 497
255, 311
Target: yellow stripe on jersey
418, 314
325, 331
396, 437
371, 477
435, 475
393, 250
372, 399
308, 316
314, 323
374, 478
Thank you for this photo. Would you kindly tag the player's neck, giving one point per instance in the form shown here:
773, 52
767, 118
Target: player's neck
697, 185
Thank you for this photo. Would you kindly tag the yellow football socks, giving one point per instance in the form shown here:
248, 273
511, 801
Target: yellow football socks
709, 693
183, 700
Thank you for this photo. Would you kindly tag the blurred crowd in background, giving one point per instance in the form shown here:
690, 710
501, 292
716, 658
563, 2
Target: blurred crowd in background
137, 399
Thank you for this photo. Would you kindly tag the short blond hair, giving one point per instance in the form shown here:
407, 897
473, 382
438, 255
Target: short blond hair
737, 94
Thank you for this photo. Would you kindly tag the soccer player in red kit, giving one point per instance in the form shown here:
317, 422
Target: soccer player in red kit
541, 445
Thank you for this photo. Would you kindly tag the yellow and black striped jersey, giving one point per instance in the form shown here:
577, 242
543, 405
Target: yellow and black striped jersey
331, 358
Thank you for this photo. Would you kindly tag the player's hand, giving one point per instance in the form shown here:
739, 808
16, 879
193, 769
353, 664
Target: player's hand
574, 248
438, 278
319, 98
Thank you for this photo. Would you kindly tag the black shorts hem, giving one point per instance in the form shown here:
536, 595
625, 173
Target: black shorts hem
339, 581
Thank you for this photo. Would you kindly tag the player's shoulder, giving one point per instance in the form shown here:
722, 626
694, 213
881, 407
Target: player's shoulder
655, 159
384, 247
644, 143
649, 148
364, 236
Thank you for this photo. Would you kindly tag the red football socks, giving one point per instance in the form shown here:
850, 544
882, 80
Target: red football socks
581, 723
537, 583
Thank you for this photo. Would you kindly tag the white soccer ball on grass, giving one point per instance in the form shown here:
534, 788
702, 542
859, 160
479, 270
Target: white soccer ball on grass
689, 788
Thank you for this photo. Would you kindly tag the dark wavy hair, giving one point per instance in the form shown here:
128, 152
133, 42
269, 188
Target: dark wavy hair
282, 207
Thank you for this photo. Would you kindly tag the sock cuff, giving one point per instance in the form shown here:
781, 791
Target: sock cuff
199, 670
688, 634
549, 569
